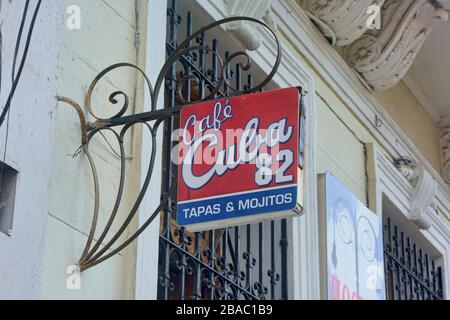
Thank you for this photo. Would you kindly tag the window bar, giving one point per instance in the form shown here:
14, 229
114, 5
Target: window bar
415, 272
201, 66
250, 263
213, 76
421, 274
388, 259
236, 229
170, 81
238, 77
197, 245
229, 75
433, 277
211, 262
214, 63
184, 238
404, 274
272, 260
261, 260
397, 266
173, 19
248, 258
440, 292
224, 260
428, 278
237, 262
182, 265
189, 56
408, 258
284, 267
198, 272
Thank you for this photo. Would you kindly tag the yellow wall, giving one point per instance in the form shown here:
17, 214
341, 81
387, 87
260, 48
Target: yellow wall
412, 118
338, 149
82, 55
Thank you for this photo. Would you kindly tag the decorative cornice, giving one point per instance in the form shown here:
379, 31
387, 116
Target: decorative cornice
445, 143
247, 34
342, 79
425, 188
342, 21
384, 56
445, 4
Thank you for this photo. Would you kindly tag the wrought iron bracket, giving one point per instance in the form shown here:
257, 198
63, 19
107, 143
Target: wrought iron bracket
95, 250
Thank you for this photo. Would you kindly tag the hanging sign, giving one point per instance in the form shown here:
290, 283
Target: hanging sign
238, 160
353, 241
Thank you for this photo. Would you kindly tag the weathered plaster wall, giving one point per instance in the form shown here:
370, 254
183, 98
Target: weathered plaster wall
29, 145
338, 150
107, 36
412, 118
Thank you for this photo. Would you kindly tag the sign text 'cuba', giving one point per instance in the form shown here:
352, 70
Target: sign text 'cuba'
238, 160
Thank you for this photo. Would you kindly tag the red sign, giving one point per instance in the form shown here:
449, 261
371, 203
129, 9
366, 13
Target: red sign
238, 159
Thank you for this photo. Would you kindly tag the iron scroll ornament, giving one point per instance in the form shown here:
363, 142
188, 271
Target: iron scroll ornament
93, 254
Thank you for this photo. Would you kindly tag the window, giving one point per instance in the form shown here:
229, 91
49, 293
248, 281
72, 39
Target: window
236, 263
8, 177
412, 265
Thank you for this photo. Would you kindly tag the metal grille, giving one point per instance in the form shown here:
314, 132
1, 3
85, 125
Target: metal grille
238, 263
410, 272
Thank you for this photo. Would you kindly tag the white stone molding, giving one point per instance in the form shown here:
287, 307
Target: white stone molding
341, 20
423, 195
147, 251
445, 143
384, 56
387, 182
245, 32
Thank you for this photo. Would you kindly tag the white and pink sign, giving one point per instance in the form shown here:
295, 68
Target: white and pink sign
353, 243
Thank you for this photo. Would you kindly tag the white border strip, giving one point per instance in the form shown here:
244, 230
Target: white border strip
238, 193
148, 243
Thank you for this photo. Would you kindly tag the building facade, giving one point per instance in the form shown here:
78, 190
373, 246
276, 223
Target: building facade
375, 117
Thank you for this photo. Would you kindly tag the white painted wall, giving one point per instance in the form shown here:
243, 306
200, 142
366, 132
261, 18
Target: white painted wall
148, 242
29, 145
50, 237
107, 36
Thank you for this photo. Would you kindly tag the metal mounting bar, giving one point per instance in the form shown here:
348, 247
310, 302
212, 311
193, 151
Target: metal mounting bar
136, 118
